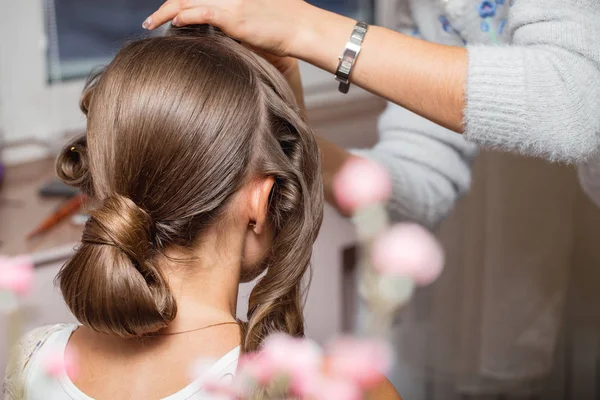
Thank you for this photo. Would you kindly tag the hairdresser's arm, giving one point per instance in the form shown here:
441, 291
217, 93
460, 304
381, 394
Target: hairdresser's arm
430, 167
426, 78
539, 95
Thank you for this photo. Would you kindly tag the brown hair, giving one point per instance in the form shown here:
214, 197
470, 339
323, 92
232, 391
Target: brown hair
176, 125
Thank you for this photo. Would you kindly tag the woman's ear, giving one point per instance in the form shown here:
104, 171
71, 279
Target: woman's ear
261, 192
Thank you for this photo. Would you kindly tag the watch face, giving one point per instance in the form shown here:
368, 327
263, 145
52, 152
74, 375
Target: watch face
347, 61
349, 56
346, 64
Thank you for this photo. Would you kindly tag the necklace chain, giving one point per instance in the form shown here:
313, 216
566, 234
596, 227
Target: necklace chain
194, 330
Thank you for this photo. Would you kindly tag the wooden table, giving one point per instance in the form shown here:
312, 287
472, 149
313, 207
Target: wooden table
22, 209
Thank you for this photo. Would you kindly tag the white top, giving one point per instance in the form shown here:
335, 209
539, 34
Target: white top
39, 386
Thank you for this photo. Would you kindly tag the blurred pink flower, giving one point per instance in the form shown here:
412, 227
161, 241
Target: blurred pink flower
349, 367
257, 366
298, 359
361, 182
58, 362
408, 250
225, 390
363, 362
338, 389
16, 274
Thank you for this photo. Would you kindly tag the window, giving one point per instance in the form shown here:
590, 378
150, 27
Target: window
44, 64
358, 9
86, 34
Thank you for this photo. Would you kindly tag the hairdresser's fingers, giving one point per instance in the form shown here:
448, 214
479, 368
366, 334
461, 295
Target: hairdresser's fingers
200, 15
164, 14
169, 10
187, 4
271, 25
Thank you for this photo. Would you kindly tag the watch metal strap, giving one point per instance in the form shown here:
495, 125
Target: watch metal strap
349, 56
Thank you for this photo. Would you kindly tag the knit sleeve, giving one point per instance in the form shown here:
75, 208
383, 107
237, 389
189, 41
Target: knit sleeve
540, 95
430, 166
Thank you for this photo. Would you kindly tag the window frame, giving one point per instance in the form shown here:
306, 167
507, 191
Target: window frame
32, 110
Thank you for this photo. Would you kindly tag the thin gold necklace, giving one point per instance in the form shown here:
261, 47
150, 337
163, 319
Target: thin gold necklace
194, 330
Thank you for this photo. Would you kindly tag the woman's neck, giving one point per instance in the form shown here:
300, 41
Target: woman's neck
205, 285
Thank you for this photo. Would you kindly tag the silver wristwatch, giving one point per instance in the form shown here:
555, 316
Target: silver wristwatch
348, 57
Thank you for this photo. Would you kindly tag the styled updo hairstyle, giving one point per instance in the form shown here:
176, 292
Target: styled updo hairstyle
176, 125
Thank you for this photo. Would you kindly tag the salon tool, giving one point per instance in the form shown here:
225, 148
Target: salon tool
67, 209
56, 188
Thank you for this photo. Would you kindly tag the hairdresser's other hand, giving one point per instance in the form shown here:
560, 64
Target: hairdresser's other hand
271, 25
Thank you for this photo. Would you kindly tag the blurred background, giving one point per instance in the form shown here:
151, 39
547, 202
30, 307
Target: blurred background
516, 314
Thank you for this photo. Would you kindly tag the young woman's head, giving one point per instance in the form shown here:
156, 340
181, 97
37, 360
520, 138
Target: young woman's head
188, 135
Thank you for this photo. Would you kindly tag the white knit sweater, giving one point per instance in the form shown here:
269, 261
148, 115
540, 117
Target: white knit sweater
533, 87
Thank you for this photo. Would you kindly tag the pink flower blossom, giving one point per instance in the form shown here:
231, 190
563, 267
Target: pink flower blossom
257, 367
299, 359
16, 275
408, 250
361, 182
364, 362
226, 390
338, 389
58, 362
350, 367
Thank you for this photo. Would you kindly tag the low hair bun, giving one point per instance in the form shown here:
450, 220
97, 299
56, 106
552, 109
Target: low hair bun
111, 284
119, 222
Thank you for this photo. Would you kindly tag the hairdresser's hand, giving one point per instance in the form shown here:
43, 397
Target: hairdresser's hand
425, 78
271, 25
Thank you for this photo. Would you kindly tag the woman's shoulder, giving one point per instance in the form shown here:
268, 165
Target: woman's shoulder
31, 341
384, 391
21, 354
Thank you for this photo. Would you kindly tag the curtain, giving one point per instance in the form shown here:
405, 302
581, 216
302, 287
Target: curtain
515, 312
